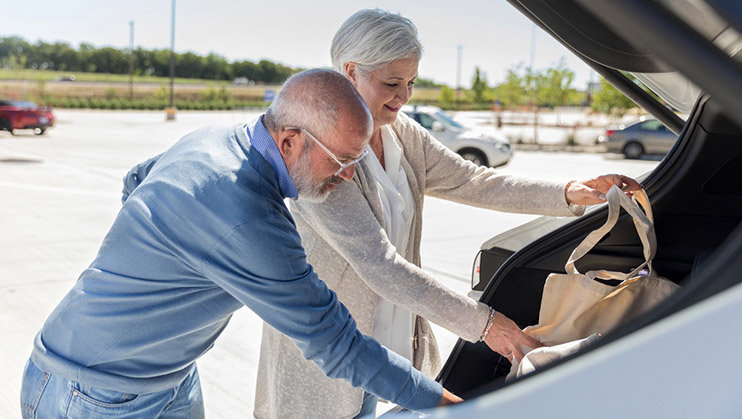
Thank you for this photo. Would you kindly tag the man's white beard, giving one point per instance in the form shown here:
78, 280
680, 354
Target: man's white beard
301, 176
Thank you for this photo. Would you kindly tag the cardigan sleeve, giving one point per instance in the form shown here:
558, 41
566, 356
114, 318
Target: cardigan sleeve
447, 175
346, 221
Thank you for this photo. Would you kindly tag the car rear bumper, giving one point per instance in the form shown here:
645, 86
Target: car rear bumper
612, 145
43, 122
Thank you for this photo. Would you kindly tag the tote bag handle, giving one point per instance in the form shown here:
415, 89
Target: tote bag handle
643, 222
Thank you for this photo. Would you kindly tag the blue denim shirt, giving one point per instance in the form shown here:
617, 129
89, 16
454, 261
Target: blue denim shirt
205, 233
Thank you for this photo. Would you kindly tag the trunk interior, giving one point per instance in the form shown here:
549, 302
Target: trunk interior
696, 195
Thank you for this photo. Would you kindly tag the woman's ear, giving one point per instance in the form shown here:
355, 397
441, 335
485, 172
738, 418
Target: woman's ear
351, 72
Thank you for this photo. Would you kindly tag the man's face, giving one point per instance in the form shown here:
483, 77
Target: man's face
315, 173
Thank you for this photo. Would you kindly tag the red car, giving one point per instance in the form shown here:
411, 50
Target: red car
15, 114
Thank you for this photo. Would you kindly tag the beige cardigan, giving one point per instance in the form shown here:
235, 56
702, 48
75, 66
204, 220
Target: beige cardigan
346, 243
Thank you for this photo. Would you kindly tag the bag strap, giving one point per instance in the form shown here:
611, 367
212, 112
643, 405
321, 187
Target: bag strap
643, 222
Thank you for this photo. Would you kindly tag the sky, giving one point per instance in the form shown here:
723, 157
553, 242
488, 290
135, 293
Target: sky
492, 34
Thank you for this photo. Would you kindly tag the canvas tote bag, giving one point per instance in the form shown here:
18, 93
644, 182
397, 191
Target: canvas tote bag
575, 305
575, 308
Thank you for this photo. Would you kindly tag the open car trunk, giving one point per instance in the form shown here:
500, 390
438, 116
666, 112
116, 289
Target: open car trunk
696, 196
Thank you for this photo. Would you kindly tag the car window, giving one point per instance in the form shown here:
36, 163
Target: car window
426, 120
442, 115
24, 104
652, 125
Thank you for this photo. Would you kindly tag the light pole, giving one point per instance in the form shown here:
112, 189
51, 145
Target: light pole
171, 111
131, 60
458, 73
533, 45
533, 88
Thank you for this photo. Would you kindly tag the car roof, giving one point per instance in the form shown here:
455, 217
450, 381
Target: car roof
421, 108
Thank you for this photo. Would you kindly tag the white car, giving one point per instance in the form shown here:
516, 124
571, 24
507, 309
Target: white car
478, 146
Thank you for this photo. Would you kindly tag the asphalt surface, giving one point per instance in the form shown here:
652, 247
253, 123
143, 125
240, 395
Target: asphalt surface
59, 194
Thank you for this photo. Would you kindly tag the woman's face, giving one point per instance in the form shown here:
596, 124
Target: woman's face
385, 89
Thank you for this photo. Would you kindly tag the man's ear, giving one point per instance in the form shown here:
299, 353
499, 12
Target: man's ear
289, 144
351, 72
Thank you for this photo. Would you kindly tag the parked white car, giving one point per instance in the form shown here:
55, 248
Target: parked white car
480, 147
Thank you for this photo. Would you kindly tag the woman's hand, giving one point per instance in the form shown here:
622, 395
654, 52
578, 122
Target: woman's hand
506, 338
593, 191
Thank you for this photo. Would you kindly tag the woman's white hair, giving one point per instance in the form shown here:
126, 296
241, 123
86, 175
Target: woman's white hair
372, 38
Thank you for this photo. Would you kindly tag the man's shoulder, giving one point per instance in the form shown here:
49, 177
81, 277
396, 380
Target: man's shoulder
215, 132
213, 163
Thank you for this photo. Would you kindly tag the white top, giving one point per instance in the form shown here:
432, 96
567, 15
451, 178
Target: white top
393, 325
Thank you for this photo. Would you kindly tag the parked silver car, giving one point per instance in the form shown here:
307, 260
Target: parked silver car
644, 136
479, 147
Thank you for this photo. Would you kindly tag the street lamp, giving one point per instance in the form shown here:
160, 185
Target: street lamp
131, 60
458, 73
170, 111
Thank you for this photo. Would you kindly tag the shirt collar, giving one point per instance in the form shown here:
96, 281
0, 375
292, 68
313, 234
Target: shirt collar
261, 139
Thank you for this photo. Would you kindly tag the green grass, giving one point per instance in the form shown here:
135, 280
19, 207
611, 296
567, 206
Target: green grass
48, 75
73, 95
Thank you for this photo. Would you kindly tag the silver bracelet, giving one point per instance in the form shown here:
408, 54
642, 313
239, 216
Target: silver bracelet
490, 321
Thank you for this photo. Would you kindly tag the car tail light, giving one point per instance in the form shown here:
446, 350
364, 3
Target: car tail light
609, 132
475, 270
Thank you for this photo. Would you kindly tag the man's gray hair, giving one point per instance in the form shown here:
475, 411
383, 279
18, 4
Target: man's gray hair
372, 38
316, 100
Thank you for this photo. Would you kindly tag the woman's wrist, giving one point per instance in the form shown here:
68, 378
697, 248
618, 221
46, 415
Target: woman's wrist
488, 326
566, 192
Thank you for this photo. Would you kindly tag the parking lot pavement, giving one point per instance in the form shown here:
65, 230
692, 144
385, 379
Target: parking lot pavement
59, 194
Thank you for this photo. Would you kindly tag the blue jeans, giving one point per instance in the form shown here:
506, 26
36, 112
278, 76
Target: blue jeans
368, 409
45, 395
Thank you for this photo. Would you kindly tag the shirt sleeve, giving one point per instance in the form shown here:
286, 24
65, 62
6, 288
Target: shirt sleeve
345, 221
263, 265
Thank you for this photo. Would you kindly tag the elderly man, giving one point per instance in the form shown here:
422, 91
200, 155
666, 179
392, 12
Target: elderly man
205, 233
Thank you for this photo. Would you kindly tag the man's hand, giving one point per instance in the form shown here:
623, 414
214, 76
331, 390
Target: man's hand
449, 398
506, 338
593, 191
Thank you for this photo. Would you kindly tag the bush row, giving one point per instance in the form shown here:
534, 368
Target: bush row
148, 104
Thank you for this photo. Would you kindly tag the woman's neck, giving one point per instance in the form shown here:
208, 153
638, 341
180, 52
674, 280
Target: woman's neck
377, 145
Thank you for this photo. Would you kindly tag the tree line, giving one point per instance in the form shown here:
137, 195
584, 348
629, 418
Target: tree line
523, 86
17, 53
546, 88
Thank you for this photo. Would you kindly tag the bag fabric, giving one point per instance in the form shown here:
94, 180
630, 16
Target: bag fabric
539, 357
574, 305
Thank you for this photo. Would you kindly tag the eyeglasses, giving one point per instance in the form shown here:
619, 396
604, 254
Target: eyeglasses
343, 166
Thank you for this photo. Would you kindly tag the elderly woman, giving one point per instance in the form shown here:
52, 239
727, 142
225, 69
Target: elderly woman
364, 239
